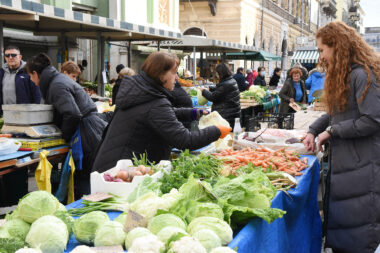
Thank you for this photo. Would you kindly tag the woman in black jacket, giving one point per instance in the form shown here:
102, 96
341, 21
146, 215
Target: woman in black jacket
294, 90
73, 108
226, 96
146, 122
273, 83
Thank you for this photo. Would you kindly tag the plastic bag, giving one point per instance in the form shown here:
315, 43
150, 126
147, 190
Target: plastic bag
77, 150
8, 146
43, 172
201, 99
214, 119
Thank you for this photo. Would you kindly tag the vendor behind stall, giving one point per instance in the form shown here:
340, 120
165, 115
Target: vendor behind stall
294, 90
226, 96
73, 109
146, 121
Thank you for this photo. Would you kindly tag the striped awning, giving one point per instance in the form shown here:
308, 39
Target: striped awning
306, 56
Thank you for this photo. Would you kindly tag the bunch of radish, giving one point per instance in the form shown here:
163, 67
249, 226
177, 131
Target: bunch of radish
127, 175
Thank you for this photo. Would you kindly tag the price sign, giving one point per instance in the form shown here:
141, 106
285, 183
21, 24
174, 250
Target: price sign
99, 196
134, 220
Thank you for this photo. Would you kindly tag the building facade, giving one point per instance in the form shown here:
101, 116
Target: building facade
372, 37
261, 23
351, 13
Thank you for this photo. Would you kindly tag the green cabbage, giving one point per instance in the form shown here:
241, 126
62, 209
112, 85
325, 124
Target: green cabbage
37, 204
201, 99
220, 227
66, 218
49, 234
85, 227
208, 239
164, 220
167, 232
110, 233
135, 233
10, 245
121, 218
207, 209
17, 228
82, 249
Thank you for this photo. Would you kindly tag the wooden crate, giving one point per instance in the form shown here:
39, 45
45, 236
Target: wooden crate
320, 106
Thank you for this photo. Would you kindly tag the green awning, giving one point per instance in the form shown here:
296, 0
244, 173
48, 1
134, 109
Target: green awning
306, 56
253, 56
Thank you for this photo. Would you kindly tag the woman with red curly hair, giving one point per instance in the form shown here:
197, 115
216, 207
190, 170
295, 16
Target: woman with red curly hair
352, 126
294, 90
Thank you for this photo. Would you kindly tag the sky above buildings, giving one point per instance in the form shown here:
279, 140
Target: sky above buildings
371, 9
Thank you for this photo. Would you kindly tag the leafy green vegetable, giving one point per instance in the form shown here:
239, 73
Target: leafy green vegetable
167, 232
201, 166
135, 233
49, 234
121, 218
220, 227
148, 184
37, 204
208, 239
17, 228
11, 245
111, 233
85, 227
67, 219
164, 220
247, 196
201, 99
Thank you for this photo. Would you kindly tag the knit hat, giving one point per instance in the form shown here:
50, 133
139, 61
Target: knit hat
119, 67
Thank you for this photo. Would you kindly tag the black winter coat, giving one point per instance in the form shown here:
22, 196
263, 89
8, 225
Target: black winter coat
180, 97
225, 99
352, 211
73, 108
146, 122
274, 80
287, 92
240, 80
260, 81
115, 89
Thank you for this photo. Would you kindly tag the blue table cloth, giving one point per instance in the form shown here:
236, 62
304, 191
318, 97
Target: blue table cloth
299, 231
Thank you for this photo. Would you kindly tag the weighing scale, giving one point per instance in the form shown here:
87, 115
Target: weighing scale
33, 131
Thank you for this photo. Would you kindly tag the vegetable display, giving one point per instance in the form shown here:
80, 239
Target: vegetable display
85, 227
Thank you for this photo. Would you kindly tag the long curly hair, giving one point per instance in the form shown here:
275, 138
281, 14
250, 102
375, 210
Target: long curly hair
348, 48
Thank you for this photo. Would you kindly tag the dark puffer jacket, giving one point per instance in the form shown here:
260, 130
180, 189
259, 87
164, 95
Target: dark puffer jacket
73, 108
226, 99
287, 92
146, 122
180, 97
352, 211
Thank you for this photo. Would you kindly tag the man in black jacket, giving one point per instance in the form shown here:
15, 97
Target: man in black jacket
240, 79
260, 79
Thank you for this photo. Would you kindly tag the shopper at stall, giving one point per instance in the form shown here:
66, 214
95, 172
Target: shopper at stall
123, 72
225, 97
273, 83
71, 69
240, 80
305, 73
116, 82
260, 79
146, 122
181, 100
15, 84
74, 110
352, 126
294, 90
315, 81
249, 78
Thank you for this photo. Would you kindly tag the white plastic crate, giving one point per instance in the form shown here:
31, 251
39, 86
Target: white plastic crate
99, 184
28, 114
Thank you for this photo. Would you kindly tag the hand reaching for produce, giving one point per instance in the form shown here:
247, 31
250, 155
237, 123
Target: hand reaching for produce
224, 131
309, 142
322, 139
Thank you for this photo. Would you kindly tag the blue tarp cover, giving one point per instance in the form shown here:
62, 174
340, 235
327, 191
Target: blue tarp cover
299, 231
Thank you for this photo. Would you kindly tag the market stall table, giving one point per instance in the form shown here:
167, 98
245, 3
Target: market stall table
303, 119
298, 231
14, 165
